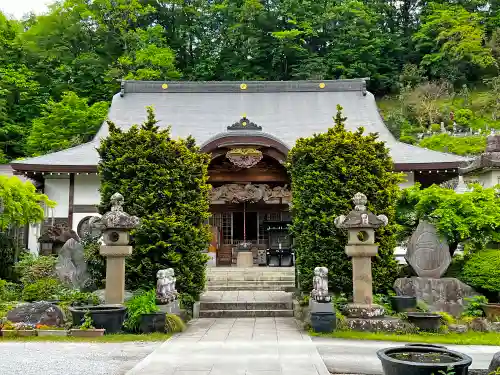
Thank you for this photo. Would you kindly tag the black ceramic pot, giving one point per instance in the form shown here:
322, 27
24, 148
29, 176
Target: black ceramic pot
109, 317
425, 321
403, 303
154, 322
323, 322
421, 360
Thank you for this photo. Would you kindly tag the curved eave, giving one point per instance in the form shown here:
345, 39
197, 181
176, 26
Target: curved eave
42, 168
406, 167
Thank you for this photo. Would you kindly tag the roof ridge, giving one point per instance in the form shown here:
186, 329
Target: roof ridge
355, 84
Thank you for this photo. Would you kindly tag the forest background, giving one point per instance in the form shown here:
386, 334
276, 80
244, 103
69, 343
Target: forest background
433, 66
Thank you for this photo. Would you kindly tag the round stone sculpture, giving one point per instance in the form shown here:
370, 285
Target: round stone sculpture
428, 254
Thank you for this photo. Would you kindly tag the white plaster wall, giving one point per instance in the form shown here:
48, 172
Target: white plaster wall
33, 234
409, 180
87, 189
57, 189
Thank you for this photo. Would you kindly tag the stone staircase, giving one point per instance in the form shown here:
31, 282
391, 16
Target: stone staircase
253, 278
248, 292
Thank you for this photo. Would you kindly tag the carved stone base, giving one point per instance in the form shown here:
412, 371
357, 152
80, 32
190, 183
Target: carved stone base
377, 324
245, 259
364, 311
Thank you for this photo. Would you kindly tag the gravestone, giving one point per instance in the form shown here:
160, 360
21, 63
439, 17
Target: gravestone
37, 313
428, 254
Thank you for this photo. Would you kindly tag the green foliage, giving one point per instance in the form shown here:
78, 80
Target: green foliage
42, 289
422, 306
164, 182
32, 268
5, 307
96, 263
384, 301
326, 171
482, 270
142, 303
9, 291
21, 202
174, 324
8, 253
473, 307
460, 218
88, 322
64, 124
447, 318
75, 297
451, 40
469, 145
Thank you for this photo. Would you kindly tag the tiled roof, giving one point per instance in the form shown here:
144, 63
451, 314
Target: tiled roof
285, 110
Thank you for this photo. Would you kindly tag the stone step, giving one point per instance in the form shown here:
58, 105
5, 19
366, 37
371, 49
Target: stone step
252, 282
217, 277
246, 305
270, 287
245, 313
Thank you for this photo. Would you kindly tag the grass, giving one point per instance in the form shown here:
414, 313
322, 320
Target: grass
119, 337
468, 338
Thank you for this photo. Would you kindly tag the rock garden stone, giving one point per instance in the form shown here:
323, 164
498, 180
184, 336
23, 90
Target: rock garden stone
495, 363
458, 328
495, 327
37, 313
480, 325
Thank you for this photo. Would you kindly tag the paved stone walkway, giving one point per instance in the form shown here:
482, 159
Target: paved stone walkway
236, 346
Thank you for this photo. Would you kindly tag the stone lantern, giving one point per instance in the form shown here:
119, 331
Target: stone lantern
361, 224
115, 226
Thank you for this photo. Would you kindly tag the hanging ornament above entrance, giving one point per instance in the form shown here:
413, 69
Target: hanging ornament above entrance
244, 157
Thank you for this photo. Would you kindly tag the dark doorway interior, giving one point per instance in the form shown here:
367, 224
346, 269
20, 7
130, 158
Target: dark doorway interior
251, 226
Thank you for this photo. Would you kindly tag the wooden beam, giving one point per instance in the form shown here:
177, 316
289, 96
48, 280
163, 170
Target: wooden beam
71, 199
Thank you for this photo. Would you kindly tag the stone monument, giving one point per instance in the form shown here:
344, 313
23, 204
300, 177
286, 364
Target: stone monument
116, 226
362, 313
71, 268
323, 317
429, 257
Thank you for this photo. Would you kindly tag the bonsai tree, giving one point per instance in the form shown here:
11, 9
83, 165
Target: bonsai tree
164, 182
326, 171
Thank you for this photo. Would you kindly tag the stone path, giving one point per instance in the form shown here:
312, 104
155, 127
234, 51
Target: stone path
236, 346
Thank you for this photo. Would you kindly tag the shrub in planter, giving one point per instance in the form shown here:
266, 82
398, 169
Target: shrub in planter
87, 329
45, 330
142, 312
326, 171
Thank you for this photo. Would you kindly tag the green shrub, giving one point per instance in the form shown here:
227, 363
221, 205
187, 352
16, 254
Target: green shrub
76, 297
174, 324
9, 291
482, 270
144, 302
43, 289
5, 307
384, 301
96, 263
32, 268
469, 145
326, 171
473, 308
447, 318
435, 128
7, 256
408, 139
164, 183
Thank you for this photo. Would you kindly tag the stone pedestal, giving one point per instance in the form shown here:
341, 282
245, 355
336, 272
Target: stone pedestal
362, 272
115, 272
323, 317
244, 259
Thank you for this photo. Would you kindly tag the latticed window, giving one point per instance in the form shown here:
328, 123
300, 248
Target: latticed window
223, 221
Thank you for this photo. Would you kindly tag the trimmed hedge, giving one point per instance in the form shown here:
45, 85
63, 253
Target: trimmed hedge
164, 183
482, 270
326, 171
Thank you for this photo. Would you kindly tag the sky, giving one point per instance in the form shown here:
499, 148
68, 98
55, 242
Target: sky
17, 8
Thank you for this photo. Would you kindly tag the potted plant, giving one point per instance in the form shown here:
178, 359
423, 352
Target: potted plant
401, 303
423, 360
87, 328
22, 329
108, 317
45, 330
143, 314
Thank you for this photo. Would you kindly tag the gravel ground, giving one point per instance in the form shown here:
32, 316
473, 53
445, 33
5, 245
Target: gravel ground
68, 358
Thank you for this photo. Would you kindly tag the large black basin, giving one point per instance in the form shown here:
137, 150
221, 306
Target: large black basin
421, 360
403, 303
425, 321
109, 317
